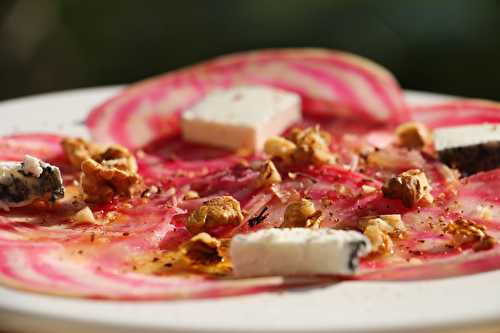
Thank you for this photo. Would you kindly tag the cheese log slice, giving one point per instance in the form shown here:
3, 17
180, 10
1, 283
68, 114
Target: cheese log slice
243, 117
298, 251
23, 182
471, 148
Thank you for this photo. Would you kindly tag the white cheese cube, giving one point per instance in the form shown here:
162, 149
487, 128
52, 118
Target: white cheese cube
23, 182
298, 251
464, 136
242, 117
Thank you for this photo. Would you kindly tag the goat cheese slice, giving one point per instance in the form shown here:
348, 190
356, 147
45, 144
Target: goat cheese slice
242, 117
298, 251
470, 148
463, 136
23, 182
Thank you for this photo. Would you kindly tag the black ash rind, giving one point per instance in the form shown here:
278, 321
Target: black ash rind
357, 248
472, 159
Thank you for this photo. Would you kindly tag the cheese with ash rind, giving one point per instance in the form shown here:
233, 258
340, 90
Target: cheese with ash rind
464, 136
242, 117
23, 182
298, 251
470, 148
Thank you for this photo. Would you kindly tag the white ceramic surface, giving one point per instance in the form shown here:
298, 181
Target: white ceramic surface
464, 304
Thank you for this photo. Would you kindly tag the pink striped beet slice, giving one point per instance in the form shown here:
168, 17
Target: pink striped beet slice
122, 256
457, 112
45, 146
329, 82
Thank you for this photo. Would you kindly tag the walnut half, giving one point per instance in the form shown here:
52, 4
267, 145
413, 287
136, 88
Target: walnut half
106, 171
413, 135
381, 230
410, 187
301, 214
268, 174
101, 182
313, 146
202, 249
219, 211
280, 147
303, 146
78, 150
468, 232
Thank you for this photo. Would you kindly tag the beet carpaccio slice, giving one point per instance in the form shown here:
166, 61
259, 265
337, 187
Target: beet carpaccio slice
43, 250
121, 256
329, 82
457, 113
46, 252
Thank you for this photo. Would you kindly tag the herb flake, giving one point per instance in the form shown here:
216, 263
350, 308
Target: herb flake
259, 218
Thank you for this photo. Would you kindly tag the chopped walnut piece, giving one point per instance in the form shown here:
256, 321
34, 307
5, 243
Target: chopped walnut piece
78, 150
190, 195
269, 175
485, 243
119, 157
202, 249
381, 230
395, 224
84, 215
413, 135
313, 146
379, 238
219, 211
106, 171
304, 146
301, 214
100, 182
466, 232
280, 147
410, 187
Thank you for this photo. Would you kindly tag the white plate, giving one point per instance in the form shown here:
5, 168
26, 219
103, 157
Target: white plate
470, 303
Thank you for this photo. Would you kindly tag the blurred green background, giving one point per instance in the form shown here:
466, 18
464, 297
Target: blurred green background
448, 46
